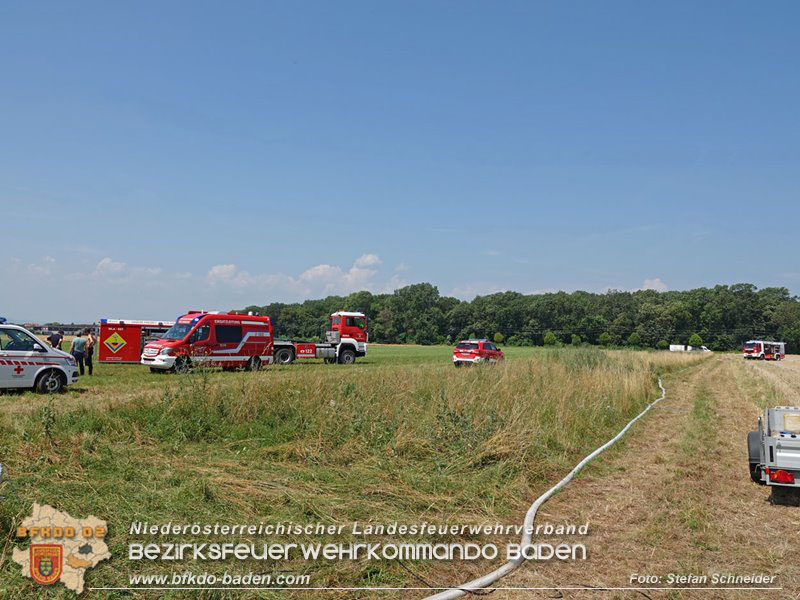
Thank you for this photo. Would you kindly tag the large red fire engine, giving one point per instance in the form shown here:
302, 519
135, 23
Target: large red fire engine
235, 341
764, 350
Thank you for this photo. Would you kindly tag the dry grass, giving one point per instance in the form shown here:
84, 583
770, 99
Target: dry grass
412, 442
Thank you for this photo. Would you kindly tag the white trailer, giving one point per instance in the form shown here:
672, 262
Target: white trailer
684, 348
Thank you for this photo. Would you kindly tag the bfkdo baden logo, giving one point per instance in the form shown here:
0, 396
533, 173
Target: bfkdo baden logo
62, 548
46, 562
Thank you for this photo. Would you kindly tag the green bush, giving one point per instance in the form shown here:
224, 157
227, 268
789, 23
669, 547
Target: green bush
695, 340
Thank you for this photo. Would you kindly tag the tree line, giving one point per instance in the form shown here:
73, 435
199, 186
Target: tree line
721, 317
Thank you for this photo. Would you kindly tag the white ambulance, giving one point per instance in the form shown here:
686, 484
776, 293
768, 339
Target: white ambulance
28, 362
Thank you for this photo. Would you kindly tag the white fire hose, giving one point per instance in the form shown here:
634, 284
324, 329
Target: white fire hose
488, 579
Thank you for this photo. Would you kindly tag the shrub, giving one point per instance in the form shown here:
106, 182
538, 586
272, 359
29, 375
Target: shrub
662, 345
550, 339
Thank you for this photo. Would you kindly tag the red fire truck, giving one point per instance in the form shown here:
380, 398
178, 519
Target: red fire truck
122, 341
764, 350
234, 341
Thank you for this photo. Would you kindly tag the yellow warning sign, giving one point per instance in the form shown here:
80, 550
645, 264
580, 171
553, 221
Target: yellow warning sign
114, 342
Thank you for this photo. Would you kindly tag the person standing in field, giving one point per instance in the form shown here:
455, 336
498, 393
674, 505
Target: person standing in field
78, 349
90, 343
55, 339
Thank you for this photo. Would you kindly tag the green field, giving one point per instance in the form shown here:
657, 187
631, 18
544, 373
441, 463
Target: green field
401, 435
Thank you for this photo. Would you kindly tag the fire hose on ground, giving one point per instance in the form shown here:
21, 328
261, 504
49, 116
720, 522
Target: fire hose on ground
488, 579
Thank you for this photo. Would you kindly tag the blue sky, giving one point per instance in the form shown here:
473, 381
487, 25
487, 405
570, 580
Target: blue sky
157, 157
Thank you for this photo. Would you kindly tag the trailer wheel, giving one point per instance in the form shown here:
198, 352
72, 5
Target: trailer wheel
347, 357
785, 496
183, 364
754, 456
254, 364
50, 382
284, 356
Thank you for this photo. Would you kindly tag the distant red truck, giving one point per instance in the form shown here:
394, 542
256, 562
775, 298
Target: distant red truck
234, 341
471, 352
764, 350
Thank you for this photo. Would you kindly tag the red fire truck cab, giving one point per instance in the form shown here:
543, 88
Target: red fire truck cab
234, 341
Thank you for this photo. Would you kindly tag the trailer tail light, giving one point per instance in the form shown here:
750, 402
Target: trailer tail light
781, 476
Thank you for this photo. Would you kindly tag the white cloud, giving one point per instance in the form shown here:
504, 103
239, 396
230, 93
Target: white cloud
119, 288
107, 265
221, 272
322, 279
367, 260
335, 280
655, 284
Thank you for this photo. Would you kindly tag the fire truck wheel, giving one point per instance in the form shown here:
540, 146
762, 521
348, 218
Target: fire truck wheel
347, 357
284, 356
183, 364
254, 364
50, 382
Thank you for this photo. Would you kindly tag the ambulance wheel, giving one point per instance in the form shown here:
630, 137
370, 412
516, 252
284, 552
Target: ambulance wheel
183, 364
347, 357
50, 382
254, 364
284, 356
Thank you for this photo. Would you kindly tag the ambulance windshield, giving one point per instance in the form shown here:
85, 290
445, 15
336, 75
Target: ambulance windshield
177, 331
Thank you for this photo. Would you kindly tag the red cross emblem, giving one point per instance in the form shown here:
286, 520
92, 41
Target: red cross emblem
18, 370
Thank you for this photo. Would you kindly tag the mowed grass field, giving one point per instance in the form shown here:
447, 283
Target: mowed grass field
400, 436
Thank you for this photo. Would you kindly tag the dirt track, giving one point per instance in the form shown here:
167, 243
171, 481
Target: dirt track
675, 497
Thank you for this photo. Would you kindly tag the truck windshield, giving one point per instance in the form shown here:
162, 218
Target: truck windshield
177, 331
750, 345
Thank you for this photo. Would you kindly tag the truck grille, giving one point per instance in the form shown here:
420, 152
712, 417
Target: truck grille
150, 352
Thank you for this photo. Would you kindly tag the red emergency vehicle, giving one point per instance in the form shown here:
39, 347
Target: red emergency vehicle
122, 341
764, 350
234, 341
475, 352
